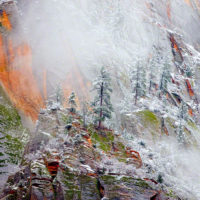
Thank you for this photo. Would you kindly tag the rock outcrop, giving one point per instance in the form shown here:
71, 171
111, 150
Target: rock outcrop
13, 137
74, 162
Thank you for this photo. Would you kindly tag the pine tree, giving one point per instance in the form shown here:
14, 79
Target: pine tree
143, 82
165, 79
102, 106
59, 95
138, 82
182, 116
154, 68
152, 74
84, 112
72, 103
188, 71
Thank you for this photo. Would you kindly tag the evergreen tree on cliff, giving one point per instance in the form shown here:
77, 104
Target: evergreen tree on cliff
138, 81
72, 102
101, 105
182, 116
59, 95
164, 80
154, 65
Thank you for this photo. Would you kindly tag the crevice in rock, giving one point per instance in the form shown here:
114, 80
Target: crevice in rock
53, 168
155, 197
100, 189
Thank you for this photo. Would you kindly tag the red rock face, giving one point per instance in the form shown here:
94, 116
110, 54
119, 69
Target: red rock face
28, 92
53, 168
17, 78
175, 49
135, 156
4, 20
16, 75
189, 87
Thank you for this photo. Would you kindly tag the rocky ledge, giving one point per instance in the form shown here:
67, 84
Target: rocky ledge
66, 160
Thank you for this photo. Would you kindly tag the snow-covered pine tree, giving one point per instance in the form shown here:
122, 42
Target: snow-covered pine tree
155, 69
152, 73
59, 95
188, 71
165, 79
101, 105
72, 102
84, 112
138, 82
143, 81
182, 116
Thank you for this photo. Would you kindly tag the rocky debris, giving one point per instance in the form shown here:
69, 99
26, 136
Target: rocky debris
82, 163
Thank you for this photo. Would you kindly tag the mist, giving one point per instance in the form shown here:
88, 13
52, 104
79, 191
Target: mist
88, 34
70, 40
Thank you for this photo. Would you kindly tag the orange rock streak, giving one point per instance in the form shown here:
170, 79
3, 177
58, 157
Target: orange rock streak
17, 78
169, 10
4, 20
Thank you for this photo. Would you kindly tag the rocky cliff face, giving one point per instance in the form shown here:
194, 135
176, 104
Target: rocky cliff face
13, 137
70, 161
155, 151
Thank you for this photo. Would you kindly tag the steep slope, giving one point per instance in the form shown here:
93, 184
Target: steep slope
47, 43
72, 162
151, 49
13, 137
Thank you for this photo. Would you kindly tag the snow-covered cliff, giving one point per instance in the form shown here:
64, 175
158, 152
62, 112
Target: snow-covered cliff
150, 47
